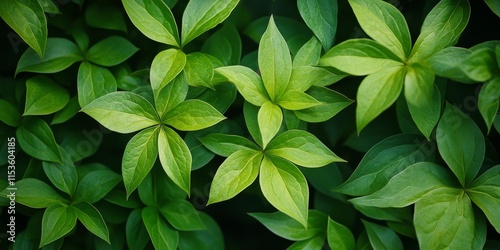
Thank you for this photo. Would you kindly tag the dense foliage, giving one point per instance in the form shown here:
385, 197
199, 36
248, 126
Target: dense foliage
212, 124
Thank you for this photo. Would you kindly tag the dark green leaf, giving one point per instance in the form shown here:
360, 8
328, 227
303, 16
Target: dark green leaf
494, 6
161, 234
111, 51
485, 193
104, 179
44, 96
136, 233
106, 16
34, 193
10, 114
93, 82
58, 220
251, 120
339, 236
316, 242
321, 17
489, 100
62, 175
225, 44
182, 215
36, 139
92, 219
208, 239
382, 237
68, 112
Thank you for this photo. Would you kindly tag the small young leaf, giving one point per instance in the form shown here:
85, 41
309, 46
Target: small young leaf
225, 45
136, 233
28, 20
426, 113
140, 155
321, 17
460, 143
339, 236
485, 193
488, 103
225, 145
481, 65
332, 103
360, 57
36, 139
44, 96
248, 83
308, 54
59, 55
182, 215
34, 193
192, 115
301, 148
165, 67
385, 24
161, 234
376, 93
111, 51
92, 219
106, 180
58, 220
122, 112
275, 61
269, 119
285, 187
93, 82
62, 175
175, 158
382, 237
171, 95
202, 15
154, 19
10, 114
235, 174
199, 70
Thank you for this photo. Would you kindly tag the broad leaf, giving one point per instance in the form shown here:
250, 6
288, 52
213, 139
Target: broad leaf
34, 193
441, 28
136, 233
210, 238
202, 15
93, 82
409, 186
460, 143
27, 19
426, 114
192, 115
248, 83
44, 96
251, 121
304, 77
140, 155
290, 229
481, 65
446, 63
489, 101
154, 19
485, 193
316, 242
494, 6
301, 148
171, 95
332, 103
285, 187
339, 236
445, 219
92, 219
225, 145
62, 175
275, 61
111, 51
382, 237
360, 57
59, 55
225, 45
235, 174
106, 180
36, 139
175, 158
269, 119
58, 220
376, 93
165, 67
321, 17
385, 24
122, 112
161, 234
297, 100
308, 54
182, 215
68, 112
10, 114
199, 70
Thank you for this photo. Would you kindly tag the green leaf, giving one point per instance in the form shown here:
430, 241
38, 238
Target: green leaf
360, 57
59, 55
376, 93
269, 119
275, 61
426, 113
285, 187
68, 112
446, 63
92, 219
62, 175
385, 24
251, 121
316, 242
49, 7
202, 15
321, 17
296, 100
308, 54
193, 115
27, 19
44, 96
301, 148
382, 237
111, 51
485, 193
221, 97
332, 103
441, 28
36, 139
494, 6
339, 236
10, 114
225, 145
248, 83
136, 233
304, 77
34, 193
445, 219
199, 70
481, 65
182, 215
154, 19
139, 157
161, 234
122, 112
488, 103
58, 220
105, 15
171, 95
210, 238
461, 144
165, 67
409, 186
225, 45
235, 174
106, 180
175, 158
290, 229
93, 82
